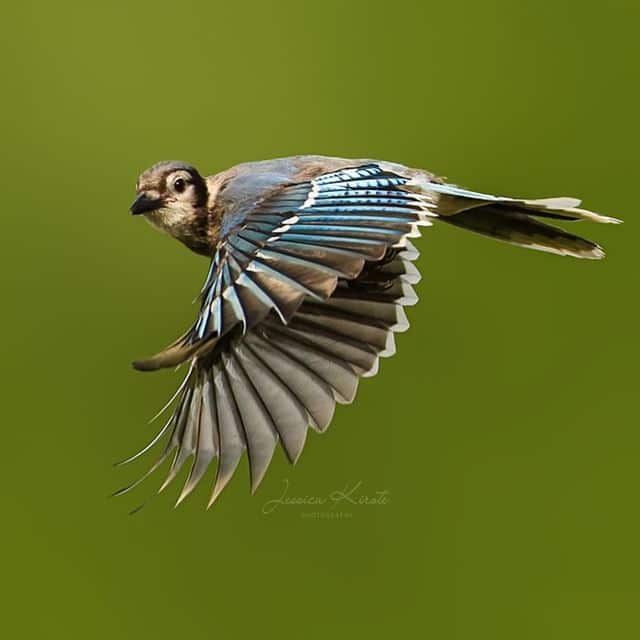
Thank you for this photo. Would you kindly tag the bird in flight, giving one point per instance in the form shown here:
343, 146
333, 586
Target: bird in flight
311, 266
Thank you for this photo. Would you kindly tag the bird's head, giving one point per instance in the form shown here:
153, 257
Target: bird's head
173, 197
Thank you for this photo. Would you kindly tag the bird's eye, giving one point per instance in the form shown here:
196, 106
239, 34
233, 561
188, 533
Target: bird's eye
179, 185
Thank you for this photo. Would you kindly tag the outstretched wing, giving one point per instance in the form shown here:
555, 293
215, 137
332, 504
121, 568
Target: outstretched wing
298, 243
303, 297
301, 242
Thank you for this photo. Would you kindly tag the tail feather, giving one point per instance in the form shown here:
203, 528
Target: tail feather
513, 220
525, 231
453, 200
562, 209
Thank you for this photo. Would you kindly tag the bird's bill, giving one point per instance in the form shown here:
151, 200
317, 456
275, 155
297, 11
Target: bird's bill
143, 204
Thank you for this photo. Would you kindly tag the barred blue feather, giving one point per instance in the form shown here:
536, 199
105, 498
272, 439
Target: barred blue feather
300, 242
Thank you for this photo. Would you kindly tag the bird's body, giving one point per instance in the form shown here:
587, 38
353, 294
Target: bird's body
311, 268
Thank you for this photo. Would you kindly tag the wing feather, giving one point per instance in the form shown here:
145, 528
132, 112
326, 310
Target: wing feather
313, 284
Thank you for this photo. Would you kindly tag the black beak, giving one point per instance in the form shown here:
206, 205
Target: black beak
143, 203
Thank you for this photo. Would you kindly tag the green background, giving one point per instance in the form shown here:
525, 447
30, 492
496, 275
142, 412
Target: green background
505, 429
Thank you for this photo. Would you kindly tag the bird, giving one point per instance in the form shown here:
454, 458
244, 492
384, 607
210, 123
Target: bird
311, 265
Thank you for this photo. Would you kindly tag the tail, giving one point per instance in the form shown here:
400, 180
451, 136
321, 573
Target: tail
515, 221
520, 228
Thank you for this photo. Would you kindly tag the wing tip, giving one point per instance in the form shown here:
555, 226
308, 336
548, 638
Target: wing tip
217, 490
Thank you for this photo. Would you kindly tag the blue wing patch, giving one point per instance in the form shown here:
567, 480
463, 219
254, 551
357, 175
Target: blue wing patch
299, 243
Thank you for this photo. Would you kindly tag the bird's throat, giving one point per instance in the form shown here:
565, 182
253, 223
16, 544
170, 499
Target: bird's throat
190, 226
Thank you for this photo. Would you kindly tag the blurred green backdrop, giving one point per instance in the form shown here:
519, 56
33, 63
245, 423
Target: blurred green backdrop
505, 430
